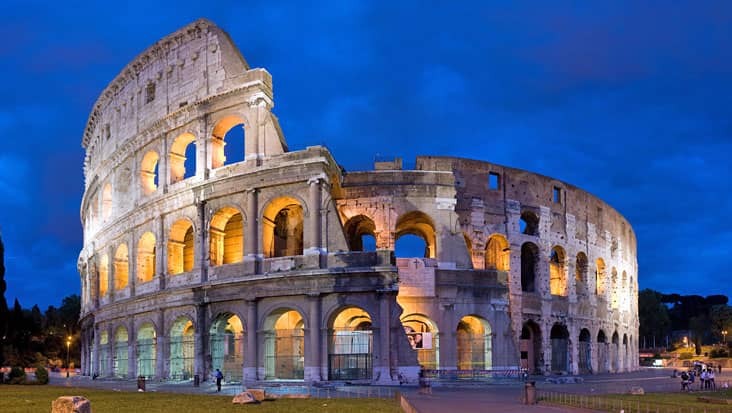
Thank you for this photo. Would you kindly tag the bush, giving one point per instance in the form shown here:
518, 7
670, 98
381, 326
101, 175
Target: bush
687, 355
717, 353
17, 375
41, 375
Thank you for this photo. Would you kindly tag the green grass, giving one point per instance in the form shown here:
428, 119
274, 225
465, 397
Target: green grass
652, 402
17, 399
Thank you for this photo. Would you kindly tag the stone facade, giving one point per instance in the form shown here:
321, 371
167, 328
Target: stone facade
259, 266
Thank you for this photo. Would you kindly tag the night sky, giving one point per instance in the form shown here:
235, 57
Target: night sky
631, 101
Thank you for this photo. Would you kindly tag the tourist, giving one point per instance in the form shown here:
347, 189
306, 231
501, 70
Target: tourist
710, 380
703, 378
219, 376
685, 381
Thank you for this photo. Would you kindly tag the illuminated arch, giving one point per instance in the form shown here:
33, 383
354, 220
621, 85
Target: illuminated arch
429, 358
474, 344
182, 348
356, 228
149, 172
121, 339
580, 274
350, 346
497, 253
284, 345
106, 202
420, 224
121, 267
146, 257
600, 277
218, 139
282, 234
181, 250
557, 271
227, 346
146, 350
227, 237
103, 275
178, 157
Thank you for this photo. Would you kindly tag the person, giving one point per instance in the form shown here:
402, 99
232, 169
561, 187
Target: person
418, 341
720, 369
219, 376
684, 381
710, 380
424, 384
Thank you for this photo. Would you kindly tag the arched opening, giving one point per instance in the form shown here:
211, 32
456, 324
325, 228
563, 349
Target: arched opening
181, 251
529, 223
420, 225
358, 230
469, 246
424, 338
530, 347
585, 352
614, 289
107, 202
119, 365
283, 228
146, 350
103, 275
121, 267
351, 345
104, 354
146, 258
149, 172
497, 253
227, 142
529, 261
600, 276
227, 237
227, 346
183, 158
614, 353
625, 357
580, 274
602, 359
181, 349
284, 346
559, 337
557, 272
474, 350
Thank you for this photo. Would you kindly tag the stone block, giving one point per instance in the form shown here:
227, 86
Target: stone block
244, 397
71, 404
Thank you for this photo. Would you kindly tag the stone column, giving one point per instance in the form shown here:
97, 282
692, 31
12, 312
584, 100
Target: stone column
161, 253
312, 349
111, 353
382, 370
252, 131
313, 232
201, 344
201, 253
573, 350
164, 166
131, 350
111, 273
132, 263
251, 360
251, 236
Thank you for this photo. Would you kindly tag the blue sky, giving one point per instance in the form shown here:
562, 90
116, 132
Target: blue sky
631, 101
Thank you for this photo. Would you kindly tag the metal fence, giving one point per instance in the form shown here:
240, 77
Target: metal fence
609, 404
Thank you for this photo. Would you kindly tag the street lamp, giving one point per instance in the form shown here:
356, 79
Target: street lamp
724, 334
68, 346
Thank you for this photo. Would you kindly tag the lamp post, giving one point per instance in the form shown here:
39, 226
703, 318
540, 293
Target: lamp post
68, 346
724, 334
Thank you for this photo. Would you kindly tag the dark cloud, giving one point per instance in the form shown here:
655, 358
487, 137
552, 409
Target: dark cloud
628, 100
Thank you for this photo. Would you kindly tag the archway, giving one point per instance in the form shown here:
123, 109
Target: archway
614, 289
625, 358
350, 348
600, 276
580, 274
146, 350
530, 347
149, 172
529, 255
284, 346
121, 267
557, 273
283, 228
421, 225
182, 158
615, 353
181, 251
227, 346
529, 223
103, 275
358, 229
106, 202
104, 354
474, 350
497, 253
421, 329
146, 258
559, 337
227, 237
182, 349
120, 352
227, 142
585, 352
602, 349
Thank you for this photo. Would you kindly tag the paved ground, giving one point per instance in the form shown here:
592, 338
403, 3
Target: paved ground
453, 397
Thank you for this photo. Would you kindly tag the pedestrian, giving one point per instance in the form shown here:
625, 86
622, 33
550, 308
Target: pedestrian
219, 376
720, 369
703, 385
684, 381
710, 380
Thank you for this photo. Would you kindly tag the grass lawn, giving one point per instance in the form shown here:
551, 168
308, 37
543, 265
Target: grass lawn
38, 399
652, 402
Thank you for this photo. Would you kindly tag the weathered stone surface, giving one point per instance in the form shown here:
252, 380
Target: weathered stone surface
257, 393
637, 390
71, 404
244, 397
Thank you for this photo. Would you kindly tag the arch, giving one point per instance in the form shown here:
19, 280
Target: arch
282, 235
121, 339
580, 274
529, 223
104, 354
428, 354
107, 202
600, 276
615, 353
178, 157
181, 249
614, 289
350, 348
474, 346
559, 336
284, 345
146, 257
585, 352
529, 262
356, 228
497, 253
121, 267
226, 233
420, 224
182, 349
146, 350
469, 246
219, 155
602, 353
557, 271
227, 346
149, 172
530, 347
103, 275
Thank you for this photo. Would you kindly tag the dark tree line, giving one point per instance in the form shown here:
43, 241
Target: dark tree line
705, 317
29, 336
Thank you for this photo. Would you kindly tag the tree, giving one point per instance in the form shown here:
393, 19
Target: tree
3, 303
653, 315
721, 319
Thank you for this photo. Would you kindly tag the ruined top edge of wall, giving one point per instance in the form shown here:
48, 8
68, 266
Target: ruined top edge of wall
161, 51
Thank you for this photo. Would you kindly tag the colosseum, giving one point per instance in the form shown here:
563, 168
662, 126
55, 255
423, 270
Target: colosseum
208, 244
